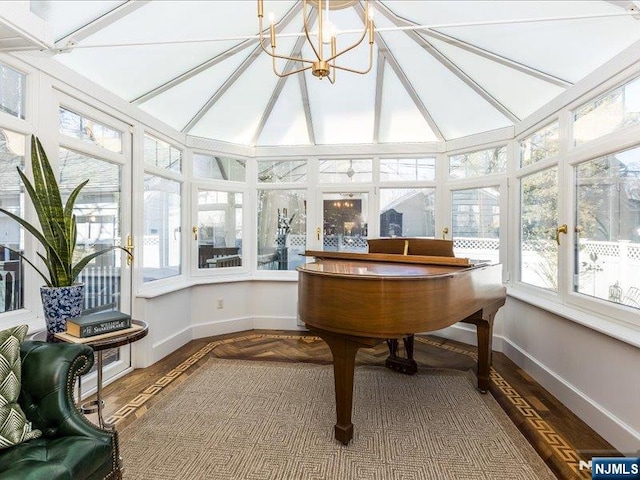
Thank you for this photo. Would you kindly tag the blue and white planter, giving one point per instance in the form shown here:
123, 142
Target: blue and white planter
61, 304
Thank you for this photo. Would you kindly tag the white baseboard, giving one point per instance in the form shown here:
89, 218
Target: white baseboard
277, 323
164, 347
465, 333
232, 325
622, 436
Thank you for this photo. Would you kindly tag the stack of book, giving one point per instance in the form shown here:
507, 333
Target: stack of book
98, 324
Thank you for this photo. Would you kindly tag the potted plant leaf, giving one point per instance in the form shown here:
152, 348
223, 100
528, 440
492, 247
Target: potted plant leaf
62, 298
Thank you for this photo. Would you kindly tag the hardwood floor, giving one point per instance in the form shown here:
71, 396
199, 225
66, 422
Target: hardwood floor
560, 437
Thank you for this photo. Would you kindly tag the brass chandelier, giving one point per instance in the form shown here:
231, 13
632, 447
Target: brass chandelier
324, 64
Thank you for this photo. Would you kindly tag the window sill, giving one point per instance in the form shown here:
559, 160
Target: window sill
153, 291
604, 324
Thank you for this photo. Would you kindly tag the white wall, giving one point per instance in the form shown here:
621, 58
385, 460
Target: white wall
595, 375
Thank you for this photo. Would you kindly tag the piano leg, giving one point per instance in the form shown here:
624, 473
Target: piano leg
483, 320
344, 349
403, 365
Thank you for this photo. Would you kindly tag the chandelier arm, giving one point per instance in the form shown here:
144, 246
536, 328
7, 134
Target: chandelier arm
306, 29
285, 57
273, 54
361, 72
366, 29
281, 75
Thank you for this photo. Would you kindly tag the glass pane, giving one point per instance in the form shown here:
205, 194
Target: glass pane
218, 168
12, 150
87, 130
407, 169
219, 229
542, 144
282, 223
283, 171
98, 216
345, 226
475, 164
539, 220
162, 154
615, 110
12, 91
345, 171
407, 212
608, 219
162, 236
475, 222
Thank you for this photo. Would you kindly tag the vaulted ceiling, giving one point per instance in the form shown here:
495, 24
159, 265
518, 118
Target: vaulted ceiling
442, 69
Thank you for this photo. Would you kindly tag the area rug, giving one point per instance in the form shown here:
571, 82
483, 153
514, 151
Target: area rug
236, 419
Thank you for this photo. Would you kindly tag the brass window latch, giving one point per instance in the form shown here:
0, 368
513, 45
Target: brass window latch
561, 229
129, 248
445, 230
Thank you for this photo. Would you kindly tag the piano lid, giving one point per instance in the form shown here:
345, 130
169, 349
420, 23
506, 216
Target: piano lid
355, 268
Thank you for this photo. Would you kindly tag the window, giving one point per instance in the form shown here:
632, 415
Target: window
612, 111
345, 224
475, 221
12, 91
407, 212
346, 171
282, 223
87, 130
12, 151
607, 250
98, 218
161, 242
219, 229
282, 171
481, 162
542, 144
162, 154
539, 220
218, 168
407, 169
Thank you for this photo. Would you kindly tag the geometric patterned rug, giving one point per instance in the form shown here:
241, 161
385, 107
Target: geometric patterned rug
236, 419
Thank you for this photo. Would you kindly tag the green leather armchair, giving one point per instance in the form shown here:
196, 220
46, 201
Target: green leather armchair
71, 447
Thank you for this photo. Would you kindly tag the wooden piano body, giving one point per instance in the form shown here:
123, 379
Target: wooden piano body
354, 300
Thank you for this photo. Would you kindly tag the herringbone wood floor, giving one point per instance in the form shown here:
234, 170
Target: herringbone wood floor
558, 435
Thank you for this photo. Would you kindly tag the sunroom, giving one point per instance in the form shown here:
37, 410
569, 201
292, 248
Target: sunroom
511, 128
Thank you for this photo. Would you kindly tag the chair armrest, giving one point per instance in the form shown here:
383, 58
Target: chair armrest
49, 371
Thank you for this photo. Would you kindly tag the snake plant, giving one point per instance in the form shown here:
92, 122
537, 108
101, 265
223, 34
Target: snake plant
58, 231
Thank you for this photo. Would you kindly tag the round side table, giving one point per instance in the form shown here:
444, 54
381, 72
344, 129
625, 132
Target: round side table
99, 344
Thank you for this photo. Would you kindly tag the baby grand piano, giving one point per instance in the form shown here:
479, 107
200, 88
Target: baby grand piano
401, 287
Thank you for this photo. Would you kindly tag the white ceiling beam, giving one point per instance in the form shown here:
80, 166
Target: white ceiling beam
289, 66
183, 77
378, 105
451, 66
304, 92
408, 86
223, 89
494, 57
100, 23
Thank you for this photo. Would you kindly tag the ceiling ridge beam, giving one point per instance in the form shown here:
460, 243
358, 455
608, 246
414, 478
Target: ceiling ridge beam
246, 63
295, 52
406, 83
489, 55
99, 23
450, 65
378, 105
306, 105
184, 76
